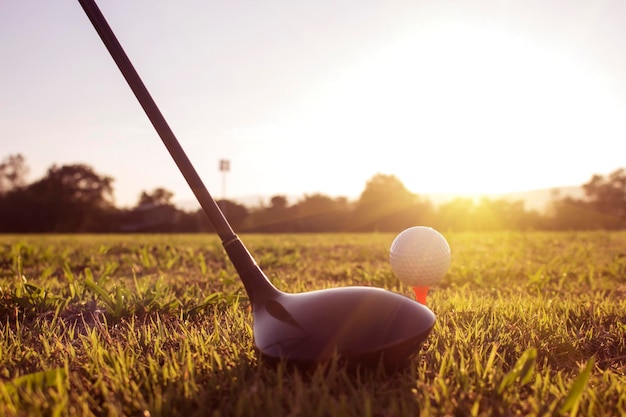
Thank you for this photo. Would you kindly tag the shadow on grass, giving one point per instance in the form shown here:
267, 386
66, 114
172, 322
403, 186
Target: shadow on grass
256, 388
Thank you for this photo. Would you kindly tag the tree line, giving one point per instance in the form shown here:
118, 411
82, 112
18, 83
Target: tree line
76, 199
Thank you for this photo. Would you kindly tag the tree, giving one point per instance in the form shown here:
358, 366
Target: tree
154, 212
320, 213
13, 173
77, 183
386, 205
279, 203
235, 213
499, 214
574, 214
608, 194
272, 219
70, 198
158, 197
456, 215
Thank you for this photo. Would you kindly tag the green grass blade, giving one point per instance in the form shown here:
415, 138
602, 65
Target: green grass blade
571, 401
98, 290
522, 370
37, 379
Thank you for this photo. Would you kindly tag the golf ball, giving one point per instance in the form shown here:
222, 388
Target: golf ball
420, 256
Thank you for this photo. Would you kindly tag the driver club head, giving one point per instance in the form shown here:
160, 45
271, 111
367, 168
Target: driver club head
363, 326
360, 325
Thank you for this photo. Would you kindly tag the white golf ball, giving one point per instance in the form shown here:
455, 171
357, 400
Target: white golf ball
420, 256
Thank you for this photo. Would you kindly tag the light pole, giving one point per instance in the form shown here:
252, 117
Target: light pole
224, 168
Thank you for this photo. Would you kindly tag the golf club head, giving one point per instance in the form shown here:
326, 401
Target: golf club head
361, 325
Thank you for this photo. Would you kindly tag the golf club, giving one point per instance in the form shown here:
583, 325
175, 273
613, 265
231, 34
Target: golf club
361, 325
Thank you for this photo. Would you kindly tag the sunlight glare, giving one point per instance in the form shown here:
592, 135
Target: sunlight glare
458, 108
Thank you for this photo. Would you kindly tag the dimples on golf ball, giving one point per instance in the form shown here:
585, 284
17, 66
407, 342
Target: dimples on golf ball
420, 256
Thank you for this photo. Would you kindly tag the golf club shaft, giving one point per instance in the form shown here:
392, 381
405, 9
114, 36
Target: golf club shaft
210, 207
251, 275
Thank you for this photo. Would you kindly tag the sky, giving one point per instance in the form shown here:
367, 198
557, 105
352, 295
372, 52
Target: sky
319, 96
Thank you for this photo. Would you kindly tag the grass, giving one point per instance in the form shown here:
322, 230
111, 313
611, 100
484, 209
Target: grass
138, 325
